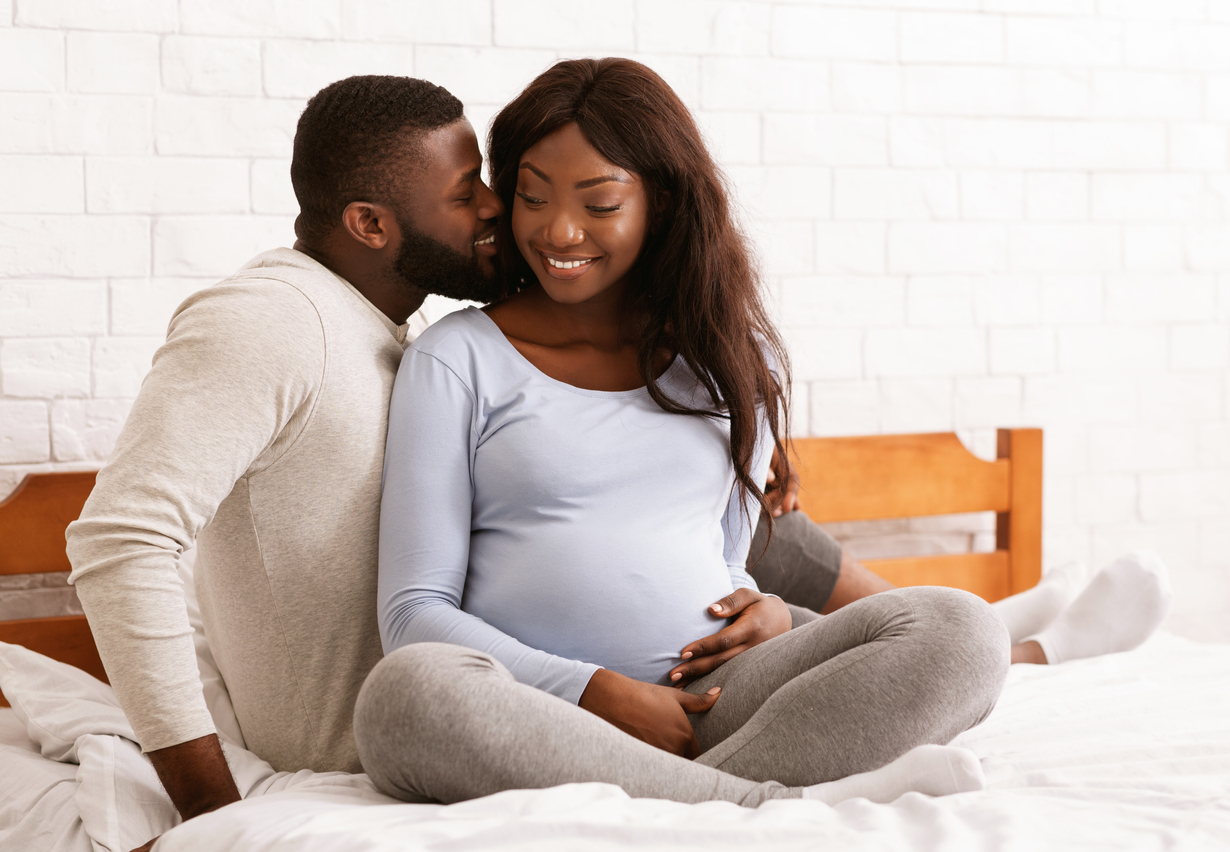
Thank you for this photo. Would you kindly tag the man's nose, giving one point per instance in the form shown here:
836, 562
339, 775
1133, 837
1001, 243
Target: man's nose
489, 204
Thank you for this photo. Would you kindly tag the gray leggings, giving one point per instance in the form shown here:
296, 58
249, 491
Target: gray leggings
843, 694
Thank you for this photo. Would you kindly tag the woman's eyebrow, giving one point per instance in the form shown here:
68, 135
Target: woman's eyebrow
581, 184
536, 171
594, 181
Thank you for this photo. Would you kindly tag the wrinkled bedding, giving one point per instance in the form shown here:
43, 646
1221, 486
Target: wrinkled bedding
1129, 751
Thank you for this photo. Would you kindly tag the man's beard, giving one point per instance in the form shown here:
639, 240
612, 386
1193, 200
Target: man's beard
426, 264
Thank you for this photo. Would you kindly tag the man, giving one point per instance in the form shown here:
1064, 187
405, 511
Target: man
261, 429
259, 434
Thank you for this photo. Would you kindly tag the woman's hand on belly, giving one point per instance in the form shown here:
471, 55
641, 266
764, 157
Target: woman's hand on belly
655, 714
757, 618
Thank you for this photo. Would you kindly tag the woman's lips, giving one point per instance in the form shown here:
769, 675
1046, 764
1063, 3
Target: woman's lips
570, 269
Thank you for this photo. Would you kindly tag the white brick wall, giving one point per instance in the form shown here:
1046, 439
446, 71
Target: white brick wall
971, 213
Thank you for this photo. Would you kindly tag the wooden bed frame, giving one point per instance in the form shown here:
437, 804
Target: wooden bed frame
909, 476
844, 479
32, 524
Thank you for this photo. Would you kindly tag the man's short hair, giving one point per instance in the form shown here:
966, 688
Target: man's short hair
356, 140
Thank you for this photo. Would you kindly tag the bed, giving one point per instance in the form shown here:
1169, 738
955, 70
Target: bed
1124, 751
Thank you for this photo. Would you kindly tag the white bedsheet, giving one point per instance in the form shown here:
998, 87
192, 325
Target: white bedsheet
1130, 751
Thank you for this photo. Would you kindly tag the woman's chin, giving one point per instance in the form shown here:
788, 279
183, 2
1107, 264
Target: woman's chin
568, 293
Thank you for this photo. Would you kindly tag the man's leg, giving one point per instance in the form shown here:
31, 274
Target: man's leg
438, 722
806, 567
855, 690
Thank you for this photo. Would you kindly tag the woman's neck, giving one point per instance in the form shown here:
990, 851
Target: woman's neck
591, 345
600, 322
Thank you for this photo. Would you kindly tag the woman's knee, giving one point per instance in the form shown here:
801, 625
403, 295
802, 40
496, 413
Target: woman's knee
405, 706
970, 637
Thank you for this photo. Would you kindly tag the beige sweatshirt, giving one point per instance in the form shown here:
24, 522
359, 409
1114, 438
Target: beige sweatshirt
260, 432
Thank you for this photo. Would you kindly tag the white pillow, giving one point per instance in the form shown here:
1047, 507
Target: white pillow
75, 718
19, 671
58, 703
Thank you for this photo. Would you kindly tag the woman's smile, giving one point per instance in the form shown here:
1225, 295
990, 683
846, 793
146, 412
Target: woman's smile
566, 267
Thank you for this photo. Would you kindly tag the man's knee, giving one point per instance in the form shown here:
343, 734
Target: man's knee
800, 564
406, 706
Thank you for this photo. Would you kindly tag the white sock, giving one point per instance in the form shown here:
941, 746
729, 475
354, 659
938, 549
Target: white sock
931, 769
1119, 609
1034, 609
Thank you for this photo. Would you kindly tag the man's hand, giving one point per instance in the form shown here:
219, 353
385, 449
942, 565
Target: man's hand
758, 618
782, 491
655, 714
196, 777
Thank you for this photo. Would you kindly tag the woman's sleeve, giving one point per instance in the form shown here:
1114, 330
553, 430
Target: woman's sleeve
743, 511
425, 516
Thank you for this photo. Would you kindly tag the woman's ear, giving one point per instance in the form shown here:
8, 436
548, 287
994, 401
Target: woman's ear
659, 212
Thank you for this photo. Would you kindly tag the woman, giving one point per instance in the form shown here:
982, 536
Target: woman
572, 476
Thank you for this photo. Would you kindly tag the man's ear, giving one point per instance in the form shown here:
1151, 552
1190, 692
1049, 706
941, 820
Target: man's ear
370, 223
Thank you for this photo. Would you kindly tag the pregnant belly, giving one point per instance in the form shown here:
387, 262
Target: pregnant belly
618, 609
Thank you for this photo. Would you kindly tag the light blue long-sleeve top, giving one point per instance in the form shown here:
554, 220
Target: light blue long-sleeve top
560, 530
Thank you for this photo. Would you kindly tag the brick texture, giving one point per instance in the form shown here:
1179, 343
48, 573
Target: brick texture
970, 213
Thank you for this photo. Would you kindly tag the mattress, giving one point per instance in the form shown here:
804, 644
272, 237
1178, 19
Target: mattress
1128, 751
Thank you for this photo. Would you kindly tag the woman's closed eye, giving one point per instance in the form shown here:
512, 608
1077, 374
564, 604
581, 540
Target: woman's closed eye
529, 199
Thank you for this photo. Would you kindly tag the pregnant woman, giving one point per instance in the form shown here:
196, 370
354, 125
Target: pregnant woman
571, 480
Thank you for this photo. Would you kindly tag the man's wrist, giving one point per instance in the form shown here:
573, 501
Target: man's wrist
196, 776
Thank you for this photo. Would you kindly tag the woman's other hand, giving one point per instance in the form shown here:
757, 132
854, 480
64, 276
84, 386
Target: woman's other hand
782, 490
655, 714
757, 618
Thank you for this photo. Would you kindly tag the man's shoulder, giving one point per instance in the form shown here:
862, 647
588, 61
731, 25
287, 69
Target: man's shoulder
281, 275
264, 292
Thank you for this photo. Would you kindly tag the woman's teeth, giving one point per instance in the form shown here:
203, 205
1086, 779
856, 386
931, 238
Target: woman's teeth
568, 264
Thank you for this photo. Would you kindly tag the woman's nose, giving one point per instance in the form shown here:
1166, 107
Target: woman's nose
563, 230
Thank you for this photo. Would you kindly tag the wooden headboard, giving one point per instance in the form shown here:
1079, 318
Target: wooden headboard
844, 479
908, 476
32, 523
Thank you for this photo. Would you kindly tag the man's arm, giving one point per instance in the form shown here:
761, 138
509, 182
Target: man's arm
782, 491
238, 363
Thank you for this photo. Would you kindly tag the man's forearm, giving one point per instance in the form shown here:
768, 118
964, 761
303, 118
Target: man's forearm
196, 775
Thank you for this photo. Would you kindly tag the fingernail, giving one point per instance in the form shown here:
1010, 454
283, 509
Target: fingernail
687, 655
676, 675
715, 690
716, 607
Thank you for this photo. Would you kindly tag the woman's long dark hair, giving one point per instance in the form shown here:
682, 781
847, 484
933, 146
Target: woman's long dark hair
695, 283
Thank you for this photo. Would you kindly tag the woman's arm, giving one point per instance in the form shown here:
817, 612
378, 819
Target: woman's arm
425, 517
757, 617
743, 511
